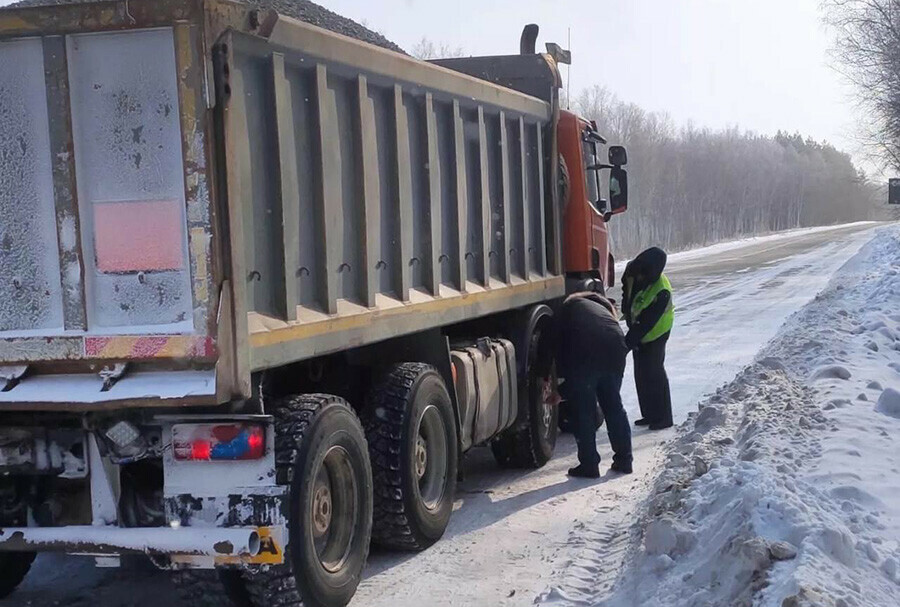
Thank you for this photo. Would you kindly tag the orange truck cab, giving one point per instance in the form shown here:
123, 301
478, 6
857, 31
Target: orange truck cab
588, 262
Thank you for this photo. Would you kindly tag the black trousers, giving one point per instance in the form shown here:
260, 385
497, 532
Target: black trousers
583, 391
652, 383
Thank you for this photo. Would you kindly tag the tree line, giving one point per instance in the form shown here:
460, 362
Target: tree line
692, 186
867, 51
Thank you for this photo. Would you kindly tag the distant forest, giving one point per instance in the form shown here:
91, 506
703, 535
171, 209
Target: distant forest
689, 187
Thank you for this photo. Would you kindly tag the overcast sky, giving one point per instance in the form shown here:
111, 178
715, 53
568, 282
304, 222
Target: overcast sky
760, 65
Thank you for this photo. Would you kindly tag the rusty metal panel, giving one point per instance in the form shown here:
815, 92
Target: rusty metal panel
190, 65
24, 350
62, 156
231, 110
95, 17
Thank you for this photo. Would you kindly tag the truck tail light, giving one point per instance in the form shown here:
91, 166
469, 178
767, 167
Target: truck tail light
217, 442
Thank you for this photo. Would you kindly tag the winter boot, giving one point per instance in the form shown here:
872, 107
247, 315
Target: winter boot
585, 471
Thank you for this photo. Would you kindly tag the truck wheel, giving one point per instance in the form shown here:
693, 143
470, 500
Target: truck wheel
320, 451
410, 425
530, 446
211, 588
14, 566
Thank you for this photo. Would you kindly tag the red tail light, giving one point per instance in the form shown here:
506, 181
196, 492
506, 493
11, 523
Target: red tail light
214, 442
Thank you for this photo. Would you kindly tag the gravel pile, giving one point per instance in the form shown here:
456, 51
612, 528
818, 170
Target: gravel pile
299, 9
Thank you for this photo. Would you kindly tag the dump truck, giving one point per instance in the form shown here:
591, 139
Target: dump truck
262, 285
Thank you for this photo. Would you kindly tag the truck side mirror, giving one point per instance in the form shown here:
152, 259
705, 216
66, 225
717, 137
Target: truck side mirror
618, 157
618, 189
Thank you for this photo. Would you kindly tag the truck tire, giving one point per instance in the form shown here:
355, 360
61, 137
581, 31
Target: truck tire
14, 566
211, 588
530, 445
321, 452
410, 424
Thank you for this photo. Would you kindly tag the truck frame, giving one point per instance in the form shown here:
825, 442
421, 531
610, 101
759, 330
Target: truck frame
265, 284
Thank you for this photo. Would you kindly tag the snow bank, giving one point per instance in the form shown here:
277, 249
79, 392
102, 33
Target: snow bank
889, 403
783, 489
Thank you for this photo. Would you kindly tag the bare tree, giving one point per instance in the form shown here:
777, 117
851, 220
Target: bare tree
868, 54
426, 49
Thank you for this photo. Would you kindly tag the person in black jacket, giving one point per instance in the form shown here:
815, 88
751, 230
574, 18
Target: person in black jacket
649, 314
590, 359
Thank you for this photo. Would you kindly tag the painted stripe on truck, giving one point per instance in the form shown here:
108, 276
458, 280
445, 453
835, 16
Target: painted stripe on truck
153, 346
276, 346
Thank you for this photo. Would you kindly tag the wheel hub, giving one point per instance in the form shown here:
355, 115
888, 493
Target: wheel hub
421, 457
334, 509
430, 457
322, 510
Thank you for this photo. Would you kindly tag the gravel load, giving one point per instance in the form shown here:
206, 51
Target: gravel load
299, 9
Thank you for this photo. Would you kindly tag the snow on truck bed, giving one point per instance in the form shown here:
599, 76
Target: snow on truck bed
783, 489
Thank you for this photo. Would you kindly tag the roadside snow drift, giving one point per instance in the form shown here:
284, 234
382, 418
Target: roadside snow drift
783, 489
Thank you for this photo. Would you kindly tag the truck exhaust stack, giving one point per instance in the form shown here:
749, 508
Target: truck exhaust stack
528, 41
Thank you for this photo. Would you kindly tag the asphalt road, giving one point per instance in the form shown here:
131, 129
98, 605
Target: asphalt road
513, 533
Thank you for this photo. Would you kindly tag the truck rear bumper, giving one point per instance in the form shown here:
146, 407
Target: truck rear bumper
86, 391
110, 540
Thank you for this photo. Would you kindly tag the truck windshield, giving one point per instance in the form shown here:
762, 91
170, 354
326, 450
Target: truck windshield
592, 178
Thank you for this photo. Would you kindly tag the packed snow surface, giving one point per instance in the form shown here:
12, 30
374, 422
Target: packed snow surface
783, 488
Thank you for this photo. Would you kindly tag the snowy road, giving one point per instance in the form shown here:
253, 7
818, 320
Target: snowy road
514, 533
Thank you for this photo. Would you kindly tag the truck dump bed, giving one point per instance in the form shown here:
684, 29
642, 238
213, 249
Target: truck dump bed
203, 189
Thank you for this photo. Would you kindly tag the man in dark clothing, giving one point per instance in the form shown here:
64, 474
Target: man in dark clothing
590, 357
649, 314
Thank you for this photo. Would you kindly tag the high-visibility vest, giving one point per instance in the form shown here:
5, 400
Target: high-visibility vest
646, 297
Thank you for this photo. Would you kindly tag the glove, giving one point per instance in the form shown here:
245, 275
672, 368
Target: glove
632, 341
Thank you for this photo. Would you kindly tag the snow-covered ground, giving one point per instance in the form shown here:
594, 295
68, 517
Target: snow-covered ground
515, 535
783, 488
520, 535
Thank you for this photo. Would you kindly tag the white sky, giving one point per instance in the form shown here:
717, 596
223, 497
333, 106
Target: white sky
760, 65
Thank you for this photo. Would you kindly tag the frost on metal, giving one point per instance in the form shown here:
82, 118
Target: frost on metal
30, 291
128, 151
